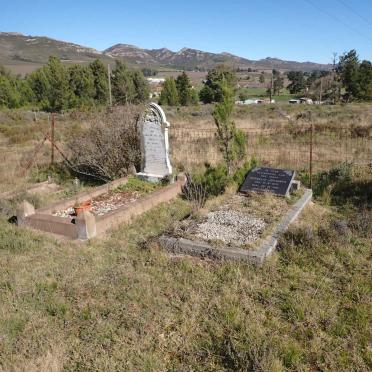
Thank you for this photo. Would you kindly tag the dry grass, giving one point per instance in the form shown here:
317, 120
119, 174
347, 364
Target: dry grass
115, 304
275, 135
110, 305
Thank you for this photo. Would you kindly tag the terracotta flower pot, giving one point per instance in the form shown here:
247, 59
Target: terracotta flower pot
84, 206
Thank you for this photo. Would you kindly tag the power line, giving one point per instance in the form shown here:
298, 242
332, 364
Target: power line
346, 5
334, 17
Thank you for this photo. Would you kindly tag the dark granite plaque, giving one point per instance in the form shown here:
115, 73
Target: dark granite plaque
277, 181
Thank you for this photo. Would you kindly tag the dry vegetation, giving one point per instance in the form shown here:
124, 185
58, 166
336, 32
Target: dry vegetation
118, 303
277, 135
121, 303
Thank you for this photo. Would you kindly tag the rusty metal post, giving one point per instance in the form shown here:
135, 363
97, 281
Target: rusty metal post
52, 140
311, 155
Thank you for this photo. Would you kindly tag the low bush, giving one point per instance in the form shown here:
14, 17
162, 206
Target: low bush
214, 181
138, 185
194, 192
361, 222
110, 147
241, 173
339, 176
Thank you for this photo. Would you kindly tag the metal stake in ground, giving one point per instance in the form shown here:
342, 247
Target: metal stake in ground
311, 155
52, 140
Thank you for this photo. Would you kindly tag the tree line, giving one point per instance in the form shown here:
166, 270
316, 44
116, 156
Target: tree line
178, 91
56, 87
349, 80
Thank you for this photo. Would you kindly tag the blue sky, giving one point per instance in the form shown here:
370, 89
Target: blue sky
295, 30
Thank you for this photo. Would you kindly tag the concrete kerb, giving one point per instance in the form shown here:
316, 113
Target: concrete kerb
258, 256
88, 226
83, 196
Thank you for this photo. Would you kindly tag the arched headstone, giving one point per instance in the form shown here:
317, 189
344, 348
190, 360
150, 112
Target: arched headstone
154, 144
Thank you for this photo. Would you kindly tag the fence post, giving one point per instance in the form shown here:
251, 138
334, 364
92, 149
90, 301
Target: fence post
311, 155
52, 140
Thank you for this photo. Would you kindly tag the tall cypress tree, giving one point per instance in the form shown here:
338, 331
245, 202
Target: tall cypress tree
169, 94
100, 81
184, 89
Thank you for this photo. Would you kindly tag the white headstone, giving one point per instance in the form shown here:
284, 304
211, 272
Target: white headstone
155, 144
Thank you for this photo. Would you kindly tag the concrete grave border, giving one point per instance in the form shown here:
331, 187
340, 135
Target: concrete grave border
87, 225
258, 256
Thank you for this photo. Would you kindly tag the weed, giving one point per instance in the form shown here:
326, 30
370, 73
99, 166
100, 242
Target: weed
136, 184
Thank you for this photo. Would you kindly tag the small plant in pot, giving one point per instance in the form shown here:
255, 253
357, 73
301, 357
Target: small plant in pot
82, 206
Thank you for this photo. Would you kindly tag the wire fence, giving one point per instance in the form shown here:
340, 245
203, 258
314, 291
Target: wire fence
284, 147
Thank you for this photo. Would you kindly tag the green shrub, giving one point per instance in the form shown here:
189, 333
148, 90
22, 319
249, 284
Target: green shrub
339, 176
214, 180
241, 173
136, 184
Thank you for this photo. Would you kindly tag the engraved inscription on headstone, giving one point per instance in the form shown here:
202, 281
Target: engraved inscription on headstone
154, 143
277, 181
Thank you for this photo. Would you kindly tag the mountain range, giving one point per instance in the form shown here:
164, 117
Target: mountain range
18, 49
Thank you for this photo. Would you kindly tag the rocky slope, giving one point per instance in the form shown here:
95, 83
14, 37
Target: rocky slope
18, 49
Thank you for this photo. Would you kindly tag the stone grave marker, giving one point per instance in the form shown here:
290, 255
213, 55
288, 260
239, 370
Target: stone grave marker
154, 144
274, 180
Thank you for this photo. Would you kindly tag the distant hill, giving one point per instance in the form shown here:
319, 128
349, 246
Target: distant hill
23, 53
32, 51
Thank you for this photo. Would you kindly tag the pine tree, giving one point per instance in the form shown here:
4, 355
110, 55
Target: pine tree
169, 93
232, 140
81, 81
123, 88
297, 82
347, 69
278, 83
9, 96
262, 78
212, 90
50, 85
184, 89
100, 81
141, 87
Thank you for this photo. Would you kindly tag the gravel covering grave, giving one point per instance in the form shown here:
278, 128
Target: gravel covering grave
231, 227
105, 203
236, 221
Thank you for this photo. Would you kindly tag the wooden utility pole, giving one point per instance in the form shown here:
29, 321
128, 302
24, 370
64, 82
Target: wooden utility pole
271, 86
52, 124
109, 83
321, 91
311, 155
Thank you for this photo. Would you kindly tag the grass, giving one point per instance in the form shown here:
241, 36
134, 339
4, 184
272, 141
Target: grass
121, 303
141, 186
261, 92
341, 132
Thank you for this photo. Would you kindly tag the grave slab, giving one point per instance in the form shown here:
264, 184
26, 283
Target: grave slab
274, 180
205, 250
